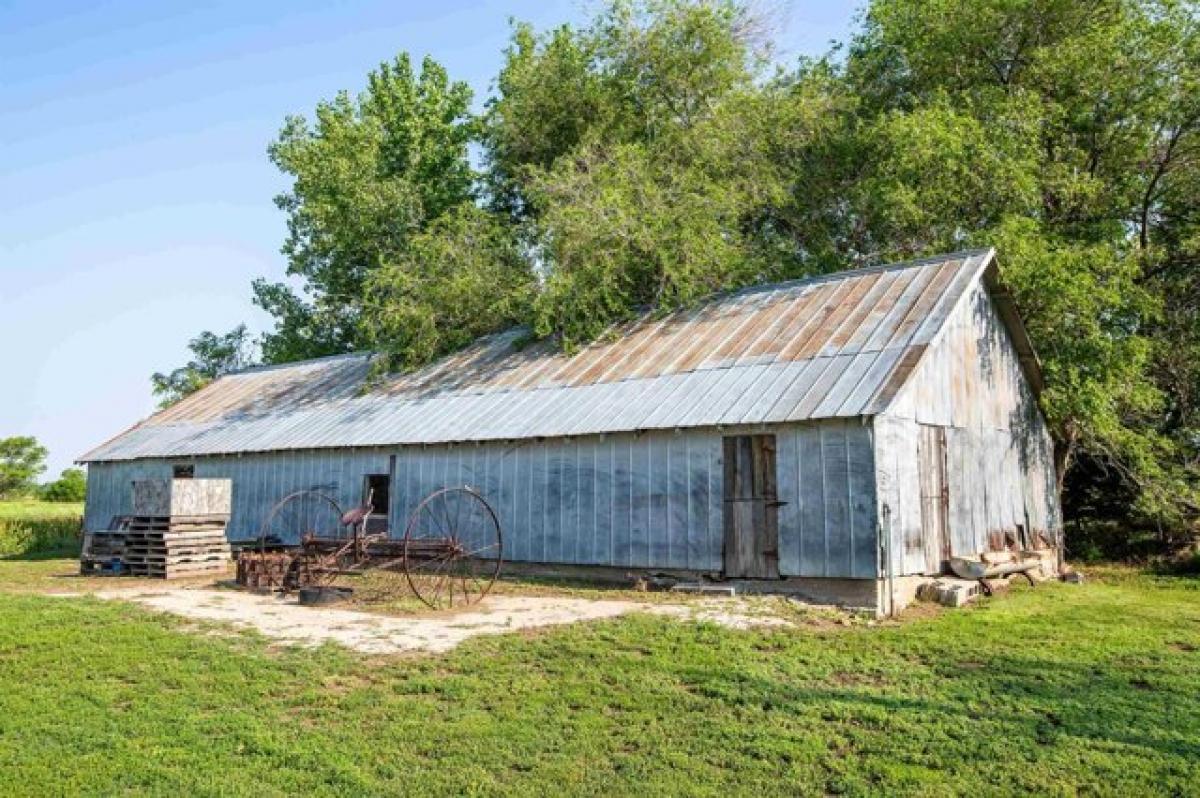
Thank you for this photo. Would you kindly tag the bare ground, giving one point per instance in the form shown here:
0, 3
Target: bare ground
285, 620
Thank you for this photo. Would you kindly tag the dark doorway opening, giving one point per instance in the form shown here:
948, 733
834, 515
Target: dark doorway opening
751, 507
183, 471
378, 488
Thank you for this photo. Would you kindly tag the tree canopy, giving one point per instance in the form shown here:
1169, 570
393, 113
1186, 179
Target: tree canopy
22, 459
212, 356
658, 153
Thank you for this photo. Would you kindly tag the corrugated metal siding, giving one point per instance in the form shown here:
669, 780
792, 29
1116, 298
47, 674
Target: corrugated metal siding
999, 452
652, 500
840, 346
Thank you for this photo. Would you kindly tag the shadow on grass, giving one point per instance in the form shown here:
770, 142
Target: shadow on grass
71, 553
1108, 702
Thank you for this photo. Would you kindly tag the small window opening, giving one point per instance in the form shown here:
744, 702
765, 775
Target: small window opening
183, 471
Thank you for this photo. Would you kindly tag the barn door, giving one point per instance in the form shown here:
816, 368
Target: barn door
935, 496
751, 508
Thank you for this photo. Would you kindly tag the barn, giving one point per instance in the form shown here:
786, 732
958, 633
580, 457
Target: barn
839, 437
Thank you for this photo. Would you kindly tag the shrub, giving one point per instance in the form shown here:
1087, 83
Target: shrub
71, 486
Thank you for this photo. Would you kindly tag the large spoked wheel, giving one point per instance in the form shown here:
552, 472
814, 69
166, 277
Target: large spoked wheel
297, 517
453, 549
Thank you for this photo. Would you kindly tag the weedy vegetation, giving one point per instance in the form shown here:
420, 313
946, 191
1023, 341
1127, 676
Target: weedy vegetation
30, 527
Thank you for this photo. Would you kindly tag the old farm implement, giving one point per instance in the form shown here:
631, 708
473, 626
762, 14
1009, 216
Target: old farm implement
450, 554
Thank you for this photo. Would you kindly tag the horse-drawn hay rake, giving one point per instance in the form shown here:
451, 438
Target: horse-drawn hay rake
450, 554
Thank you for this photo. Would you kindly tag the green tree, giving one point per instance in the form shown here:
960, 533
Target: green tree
1067, 134
71, 486
620, 149
22, 459
462, 278
212, 356
368, 175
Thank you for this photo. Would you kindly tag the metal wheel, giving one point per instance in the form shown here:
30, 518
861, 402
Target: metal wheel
453, 548
294, 518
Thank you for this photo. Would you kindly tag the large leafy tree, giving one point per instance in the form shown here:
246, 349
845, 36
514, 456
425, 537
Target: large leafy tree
621, 149
212, 356
1065, 133
369, 174
22, 459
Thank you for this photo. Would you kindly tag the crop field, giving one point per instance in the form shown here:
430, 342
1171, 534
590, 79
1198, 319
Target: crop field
34, 527
1058, 690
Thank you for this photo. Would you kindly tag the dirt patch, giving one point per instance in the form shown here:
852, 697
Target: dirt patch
284, 620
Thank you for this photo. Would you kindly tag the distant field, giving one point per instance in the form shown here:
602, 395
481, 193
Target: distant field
34, 527
28, 508
1060, 690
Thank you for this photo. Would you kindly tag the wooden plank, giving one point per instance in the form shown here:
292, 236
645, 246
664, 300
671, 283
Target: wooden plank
767, 505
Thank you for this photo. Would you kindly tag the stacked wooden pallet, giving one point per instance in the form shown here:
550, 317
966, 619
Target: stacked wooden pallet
103, 552
176, 546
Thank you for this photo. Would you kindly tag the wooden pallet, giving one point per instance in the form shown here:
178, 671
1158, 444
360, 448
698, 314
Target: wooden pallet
168, 551
171, 570
176, 540
175, 559
162, 546
157, 521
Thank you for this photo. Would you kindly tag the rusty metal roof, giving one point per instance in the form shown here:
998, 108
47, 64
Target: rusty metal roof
840, 345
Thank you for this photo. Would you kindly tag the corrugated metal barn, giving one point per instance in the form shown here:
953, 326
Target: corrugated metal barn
838, 433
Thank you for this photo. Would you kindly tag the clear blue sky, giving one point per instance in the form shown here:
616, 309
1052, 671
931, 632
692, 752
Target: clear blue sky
135, 191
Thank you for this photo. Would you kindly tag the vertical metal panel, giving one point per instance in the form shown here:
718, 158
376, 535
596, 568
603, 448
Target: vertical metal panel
864, 542
601, 543
640, 453
811, 497
658, 543
696, 473
788, 477
537, 503
836, 500
518, 530
679, 508
556, 480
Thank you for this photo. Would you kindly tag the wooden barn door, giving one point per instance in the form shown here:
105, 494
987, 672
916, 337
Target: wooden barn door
935, 496
751, 508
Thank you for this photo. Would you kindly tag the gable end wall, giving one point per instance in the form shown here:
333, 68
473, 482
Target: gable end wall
1000, 456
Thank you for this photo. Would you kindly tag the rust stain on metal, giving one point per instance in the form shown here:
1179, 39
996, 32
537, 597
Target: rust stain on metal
870, 325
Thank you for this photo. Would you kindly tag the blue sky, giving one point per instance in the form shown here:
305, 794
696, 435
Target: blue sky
135, 191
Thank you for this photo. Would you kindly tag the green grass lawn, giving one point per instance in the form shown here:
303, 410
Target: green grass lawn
1060, 690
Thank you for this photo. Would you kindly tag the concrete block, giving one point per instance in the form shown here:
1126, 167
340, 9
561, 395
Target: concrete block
701, 587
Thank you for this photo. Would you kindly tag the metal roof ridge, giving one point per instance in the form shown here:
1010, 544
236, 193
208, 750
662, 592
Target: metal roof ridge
261, 367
